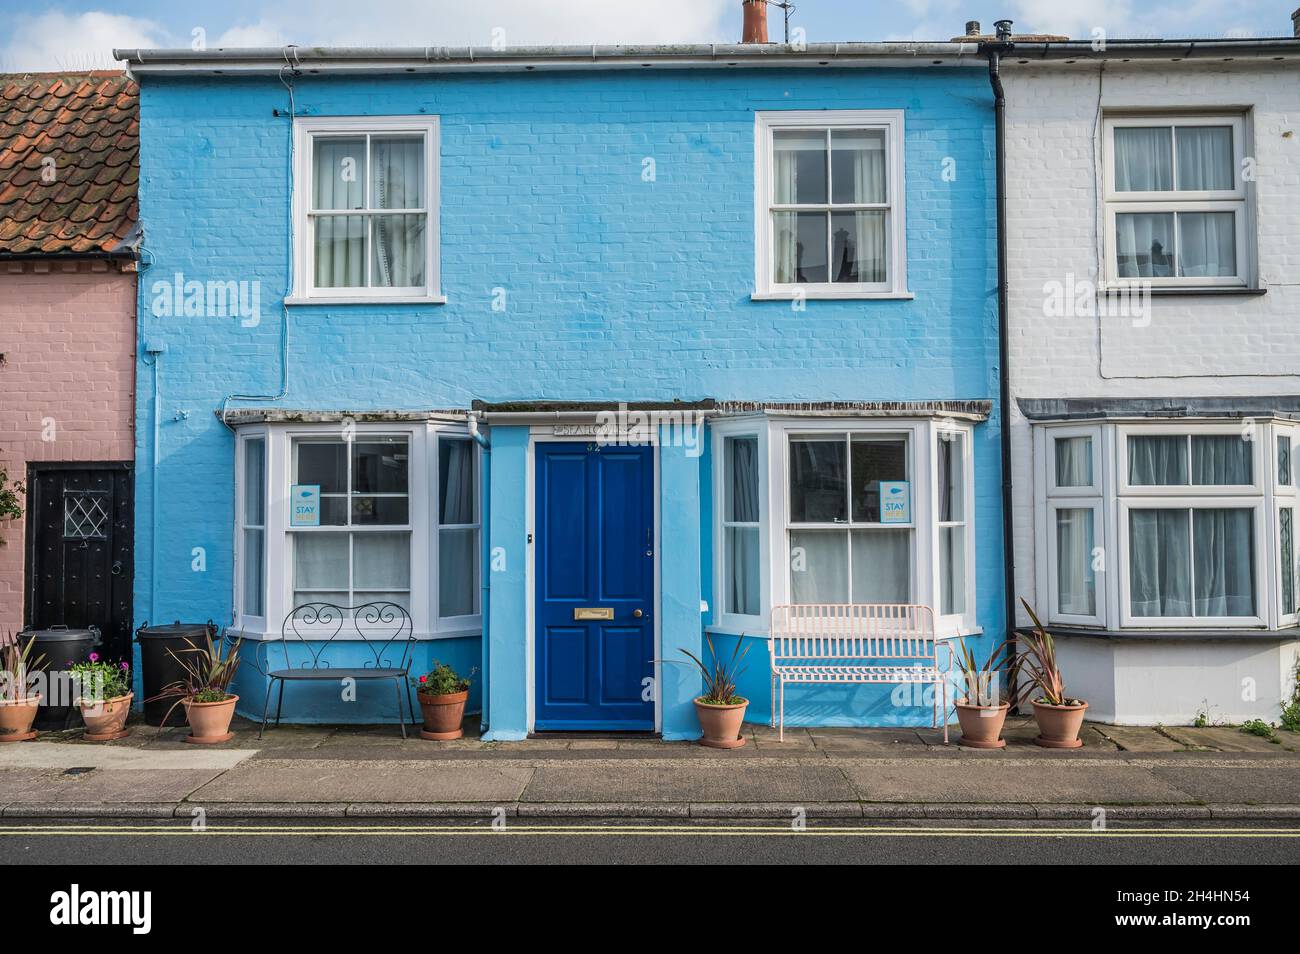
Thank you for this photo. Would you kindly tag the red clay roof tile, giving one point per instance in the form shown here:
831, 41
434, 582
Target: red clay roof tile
88, 125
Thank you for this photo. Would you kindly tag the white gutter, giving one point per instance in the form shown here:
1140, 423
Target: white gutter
334, 60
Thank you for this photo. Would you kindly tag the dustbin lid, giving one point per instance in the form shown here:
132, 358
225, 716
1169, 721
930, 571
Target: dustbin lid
58, 634
174, 630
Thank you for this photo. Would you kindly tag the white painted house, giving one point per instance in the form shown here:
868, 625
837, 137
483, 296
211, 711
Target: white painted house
1156, 436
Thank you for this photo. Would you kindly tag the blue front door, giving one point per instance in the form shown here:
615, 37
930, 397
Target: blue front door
594, 572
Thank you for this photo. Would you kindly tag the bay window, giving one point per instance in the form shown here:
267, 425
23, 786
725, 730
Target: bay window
840, 507
365, 209
829, 204
1174, 525
1175, 199
399, 522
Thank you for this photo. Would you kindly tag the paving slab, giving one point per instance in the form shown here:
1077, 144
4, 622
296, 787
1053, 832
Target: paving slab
1009, 781
1259, 782
1225, 738
306, 780
37, 754
103, 785
1133, 738
647, 780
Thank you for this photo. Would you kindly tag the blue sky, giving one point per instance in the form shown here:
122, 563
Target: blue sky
77, 34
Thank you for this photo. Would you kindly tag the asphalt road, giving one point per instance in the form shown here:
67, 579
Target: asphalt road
414, 841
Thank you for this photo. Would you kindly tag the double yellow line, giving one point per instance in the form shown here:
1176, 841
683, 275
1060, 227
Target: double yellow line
623, 830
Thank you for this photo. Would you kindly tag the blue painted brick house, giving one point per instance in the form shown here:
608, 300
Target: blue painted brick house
541, 332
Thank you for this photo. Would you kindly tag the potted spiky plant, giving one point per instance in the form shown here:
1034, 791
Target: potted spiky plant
720, 709
442, 693
1059, 716
104, 697
18, 703
981, 710
204, 689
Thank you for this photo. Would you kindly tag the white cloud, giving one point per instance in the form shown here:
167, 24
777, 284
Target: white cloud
256, 34
511, 22
58, 41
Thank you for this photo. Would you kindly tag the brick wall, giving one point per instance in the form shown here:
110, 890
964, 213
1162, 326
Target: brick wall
1192, 347
67, 333
616, 287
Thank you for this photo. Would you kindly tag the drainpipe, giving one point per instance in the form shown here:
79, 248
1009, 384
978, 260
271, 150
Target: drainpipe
486, 556
994, 52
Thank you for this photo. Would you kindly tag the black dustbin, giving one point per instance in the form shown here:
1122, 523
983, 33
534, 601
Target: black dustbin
60, 647
159, 669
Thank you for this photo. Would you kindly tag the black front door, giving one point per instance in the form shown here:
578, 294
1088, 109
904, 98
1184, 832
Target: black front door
79, 550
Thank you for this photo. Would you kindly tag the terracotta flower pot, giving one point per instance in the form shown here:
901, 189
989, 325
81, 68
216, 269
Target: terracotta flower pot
16, 718
721, 724
210, 721
106, 721
442, 715
981, 726
1058, 726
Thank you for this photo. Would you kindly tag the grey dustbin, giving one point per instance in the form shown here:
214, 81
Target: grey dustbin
159, 668
60, 647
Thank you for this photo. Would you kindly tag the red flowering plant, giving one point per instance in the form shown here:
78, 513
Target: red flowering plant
442, 680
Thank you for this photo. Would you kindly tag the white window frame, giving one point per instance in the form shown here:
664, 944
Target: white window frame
1114, 497
740, 622
1071, 498
1233, 200
422, 523
774, 441
293, 534
305, 133
890, 121
965, 620
1053, 560
1285, 497
469, 621
1124, 432
245, 618
1191, 503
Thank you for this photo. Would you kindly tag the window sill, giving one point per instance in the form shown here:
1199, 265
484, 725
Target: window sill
369, 302
251, 635
1169, 635
812, 294
1171, 291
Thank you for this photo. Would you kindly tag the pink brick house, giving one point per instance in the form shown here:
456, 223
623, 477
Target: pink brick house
69, 166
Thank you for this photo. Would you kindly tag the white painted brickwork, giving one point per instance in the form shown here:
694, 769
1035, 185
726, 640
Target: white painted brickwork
1192, 347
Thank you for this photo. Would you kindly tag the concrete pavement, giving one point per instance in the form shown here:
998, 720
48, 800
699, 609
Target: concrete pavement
1132, 773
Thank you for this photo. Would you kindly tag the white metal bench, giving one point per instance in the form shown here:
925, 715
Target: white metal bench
870, 643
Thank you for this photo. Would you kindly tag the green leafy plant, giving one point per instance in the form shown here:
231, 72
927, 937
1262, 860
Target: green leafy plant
1257, 727
720, 677
980, 683
16, 665
98, 680
1036, 662
1202, 720
1291, 708
208, 672
11, 507
442, 680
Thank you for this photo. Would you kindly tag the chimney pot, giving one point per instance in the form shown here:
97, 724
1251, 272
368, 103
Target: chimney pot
755, 27
1003, 28
1295, 23
972, 28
